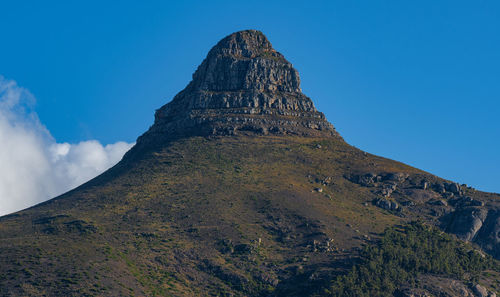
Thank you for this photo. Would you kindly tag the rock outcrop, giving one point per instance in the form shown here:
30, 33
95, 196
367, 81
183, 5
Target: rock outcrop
243, 85
467, 222
470, 219
488, 236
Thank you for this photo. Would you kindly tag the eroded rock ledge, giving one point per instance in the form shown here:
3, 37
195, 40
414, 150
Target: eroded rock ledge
243, 85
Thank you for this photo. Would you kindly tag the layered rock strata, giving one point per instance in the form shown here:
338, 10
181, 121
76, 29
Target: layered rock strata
243, 85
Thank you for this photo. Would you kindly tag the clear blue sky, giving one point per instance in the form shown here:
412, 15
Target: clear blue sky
416, 81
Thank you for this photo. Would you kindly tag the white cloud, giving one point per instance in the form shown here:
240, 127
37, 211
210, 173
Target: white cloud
33, 166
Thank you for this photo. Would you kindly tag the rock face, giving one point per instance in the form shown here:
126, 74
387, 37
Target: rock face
243, 85
467, 222
479, 225
470, 219
488, 237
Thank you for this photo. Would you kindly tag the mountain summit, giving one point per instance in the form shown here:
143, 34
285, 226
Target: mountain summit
242, 188
243, 85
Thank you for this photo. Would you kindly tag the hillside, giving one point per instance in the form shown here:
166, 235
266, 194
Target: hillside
242, 188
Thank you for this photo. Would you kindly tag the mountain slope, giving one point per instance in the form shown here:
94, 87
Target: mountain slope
241, 187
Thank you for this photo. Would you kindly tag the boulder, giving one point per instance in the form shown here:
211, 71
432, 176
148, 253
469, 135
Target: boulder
440, 188
387, 204
387, 189
464, 201
466, 222
480, 291
453, 188
448, 195
366, 179
398, 177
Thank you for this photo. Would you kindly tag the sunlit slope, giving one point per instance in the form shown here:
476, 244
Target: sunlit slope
204, 216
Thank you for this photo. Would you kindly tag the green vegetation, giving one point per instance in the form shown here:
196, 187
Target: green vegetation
403, 254
244, 204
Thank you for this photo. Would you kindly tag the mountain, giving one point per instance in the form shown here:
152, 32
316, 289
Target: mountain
242, 188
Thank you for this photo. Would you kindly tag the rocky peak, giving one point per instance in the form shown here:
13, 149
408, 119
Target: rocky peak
243, 85
246, 60
246, 44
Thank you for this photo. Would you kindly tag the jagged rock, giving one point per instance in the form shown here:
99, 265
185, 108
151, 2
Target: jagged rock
243, 85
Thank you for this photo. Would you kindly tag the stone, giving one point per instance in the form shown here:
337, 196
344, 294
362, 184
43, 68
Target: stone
366, 179
440, 188
465, 223
448, 195
326, 181
243, 86
464, 201
453, 188
386, 192
386, 204
480, 291
269, 279
438, 202
477, 203
398, 177
387, 189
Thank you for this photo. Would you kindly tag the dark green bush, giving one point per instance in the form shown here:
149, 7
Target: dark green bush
401, 255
